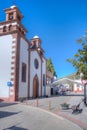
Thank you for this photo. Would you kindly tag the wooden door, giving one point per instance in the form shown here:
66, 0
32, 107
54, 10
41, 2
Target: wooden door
35, 87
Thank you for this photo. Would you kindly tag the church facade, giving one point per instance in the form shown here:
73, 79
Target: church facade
22, 62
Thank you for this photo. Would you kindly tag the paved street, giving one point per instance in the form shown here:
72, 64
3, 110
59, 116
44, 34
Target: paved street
78, 118
26, 116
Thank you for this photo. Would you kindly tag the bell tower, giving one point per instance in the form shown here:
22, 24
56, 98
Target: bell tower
36, 44
12, 38
12, 22
13, 13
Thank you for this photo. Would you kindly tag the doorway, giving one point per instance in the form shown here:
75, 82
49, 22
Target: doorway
35, 87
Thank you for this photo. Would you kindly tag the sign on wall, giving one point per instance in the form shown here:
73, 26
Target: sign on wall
9, 84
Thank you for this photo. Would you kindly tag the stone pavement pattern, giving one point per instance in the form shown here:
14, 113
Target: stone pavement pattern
25, 117
78, 118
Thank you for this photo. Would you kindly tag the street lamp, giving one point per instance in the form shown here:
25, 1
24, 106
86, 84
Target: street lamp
81, 76
85, 88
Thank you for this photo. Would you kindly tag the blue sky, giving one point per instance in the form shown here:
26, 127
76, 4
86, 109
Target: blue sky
58, 23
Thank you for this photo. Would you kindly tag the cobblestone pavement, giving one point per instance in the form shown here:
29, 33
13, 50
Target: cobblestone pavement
78, 118
49, 116
53, 105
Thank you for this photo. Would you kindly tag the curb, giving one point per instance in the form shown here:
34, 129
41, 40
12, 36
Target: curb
76, 121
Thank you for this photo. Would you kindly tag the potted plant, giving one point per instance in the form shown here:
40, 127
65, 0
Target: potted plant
65, 105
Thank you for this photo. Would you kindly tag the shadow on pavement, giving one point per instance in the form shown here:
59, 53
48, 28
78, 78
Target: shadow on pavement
15, 128
4, 114
5, 104
1, 100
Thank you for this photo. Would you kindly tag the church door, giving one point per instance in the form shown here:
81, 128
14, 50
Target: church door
35, 87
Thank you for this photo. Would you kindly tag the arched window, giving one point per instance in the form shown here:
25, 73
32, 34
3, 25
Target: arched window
24, 70
10, 16
22, 32
10, 28
36, 64
4, 29
19, 18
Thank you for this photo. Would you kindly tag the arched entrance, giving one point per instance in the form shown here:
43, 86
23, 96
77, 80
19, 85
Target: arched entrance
35, 87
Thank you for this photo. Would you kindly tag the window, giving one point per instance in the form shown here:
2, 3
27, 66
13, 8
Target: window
19, 18
10, 28
23, 72
10, 16
34, 45
36, 64
4, 29
22, 32
19, 29
44, 80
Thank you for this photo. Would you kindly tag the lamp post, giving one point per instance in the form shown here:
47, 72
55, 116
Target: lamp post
81, 76
85, 88
85, 94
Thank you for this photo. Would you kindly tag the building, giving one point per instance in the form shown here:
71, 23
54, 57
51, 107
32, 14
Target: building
49, 80
22, 62
74, 85
78, 87
49, 77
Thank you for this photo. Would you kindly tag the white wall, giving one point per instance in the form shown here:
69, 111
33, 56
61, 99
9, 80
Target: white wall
43, 72
33, 71
5, 64
23, 86
48, 90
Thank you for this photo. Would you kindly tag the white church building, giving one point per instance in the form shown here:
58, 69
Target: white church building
22, 62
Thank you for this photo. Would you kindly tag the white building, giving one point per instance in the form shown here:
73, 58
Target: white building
78, 85
22, 62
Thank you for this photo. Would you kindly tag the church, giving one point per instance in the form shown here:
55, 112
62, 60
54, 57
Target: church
22, 61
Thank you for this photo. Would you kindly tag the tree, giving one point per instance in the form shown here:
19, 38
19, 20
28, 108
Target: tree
50, 67
80, 58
